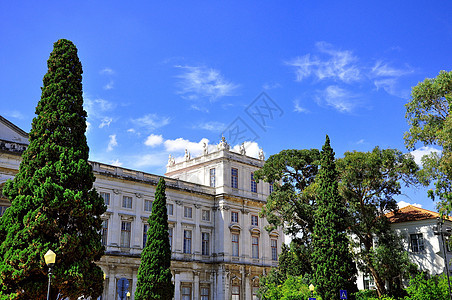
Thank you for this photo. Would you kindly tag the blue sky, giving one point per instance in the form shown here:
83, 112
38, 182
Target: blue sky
161, 77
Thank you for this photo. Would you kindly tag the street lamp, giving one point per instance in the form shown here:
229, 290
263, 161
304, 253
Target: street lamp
311, 288
49, 258
128, 295
439, 230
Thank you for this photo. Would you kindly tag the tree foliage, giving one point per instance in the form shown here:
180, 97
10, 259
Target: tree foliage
428, 115
292, 288
154, 274
331, 257
53, 203
368, 182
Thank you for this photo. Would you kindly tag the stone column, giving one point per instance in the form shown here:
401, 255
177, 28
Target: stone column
134, 282
176, 285
196, 285
111, 293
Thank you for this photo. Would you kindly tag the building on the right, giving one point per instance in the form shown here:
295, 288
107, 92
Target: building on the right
416, 226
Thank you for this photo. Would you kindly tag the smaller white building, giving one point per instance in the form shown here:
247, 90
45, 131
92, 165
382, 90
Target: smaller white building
416, 227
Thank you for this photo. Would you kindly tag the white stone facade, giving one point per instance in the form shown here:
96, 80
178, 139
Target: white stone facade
219, 244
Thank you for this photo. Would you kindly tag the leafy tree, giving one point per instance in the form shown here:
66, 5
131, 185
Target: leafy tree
292, 203
430, 123
53, 203
292, 288
332, 260
424, 287
154, 274
368, 182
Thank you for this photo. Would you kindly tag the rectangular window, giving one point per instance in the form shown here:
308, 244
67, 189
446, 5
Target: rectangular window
235, 244
253, 184
205, 293
254, 220
125, 234
148, 205
169, 209
170, 236
270, 187
188, 212
106, 197
187, 241
186, 293
205, 243
2, 209
234, 178
127, 202
234, 217
212, 177
417, 242
206, 215
274, 246
145, 234
104, 232
235, 292
255, 246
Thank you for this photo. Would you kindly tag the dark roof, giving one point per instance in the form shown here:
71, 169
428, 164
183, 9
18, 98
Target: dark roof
14, 127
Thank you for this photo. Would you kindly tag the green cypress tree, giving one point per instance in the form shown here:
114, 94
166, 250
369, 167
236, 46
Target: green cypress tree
154, 274
334, 269
53, 203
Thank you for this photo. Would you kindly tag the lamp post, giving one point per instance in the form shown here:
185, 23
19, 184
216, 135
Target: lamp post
49, 258
439, 230
128, 295
311, 288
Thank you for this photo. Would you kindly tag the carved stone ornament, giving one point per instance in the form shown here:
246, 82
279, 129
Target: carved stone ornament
116, 191
261, 154
138, 195
178, 202
197, 205
223, 145
225, 207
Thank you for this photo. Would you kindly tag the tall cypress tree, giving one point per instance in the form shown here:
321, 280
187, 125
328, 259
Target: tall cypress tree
154, 274
332, 261
53, 203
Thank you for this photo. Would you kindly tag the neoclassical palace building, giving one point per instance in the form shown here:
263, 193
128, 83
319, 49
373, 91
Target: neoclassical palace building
218, 242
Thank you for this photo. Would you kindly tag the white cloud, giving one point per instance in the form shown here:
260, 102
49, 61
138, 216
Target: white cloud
402, 204
381, 69
271, 86
107, 71
213, 126
14, 114
96, 108
338, 98
153, 140
360, 142
112, 143
251, 149
419, 153
180, 144
116, 163
151, 121
88, 126
339, 65
203, 82
131, 130
298, 108
150, 160
105, 122
109, 85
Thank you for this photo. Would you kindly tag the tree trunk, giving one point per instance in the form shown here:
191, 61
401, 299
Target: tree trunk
381, 289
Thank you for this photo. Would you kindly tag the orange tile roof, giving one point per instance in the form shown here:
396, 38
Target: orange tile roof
412, 213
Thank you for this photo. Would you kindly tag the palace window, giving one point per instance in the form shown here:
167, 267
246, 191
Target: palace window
235, 244
212, 177
235, 292
2, 209
106, 197
253, 184
234, 178
205, 293
205, 243
186, 293
274, 247
127, 202
104, 232
206, 215
188, 212
145, 234
417, 242
270, 187
234, 217
170, 236
254, 220
125, 234
169, 209
148, 205
255, 246
187, 241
